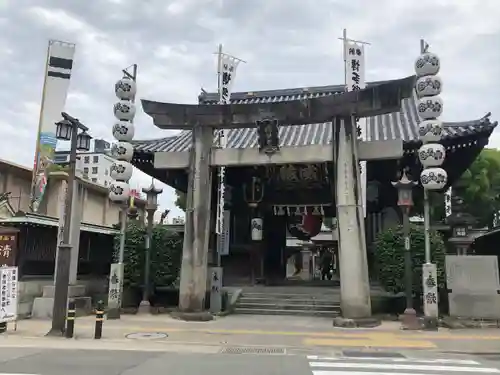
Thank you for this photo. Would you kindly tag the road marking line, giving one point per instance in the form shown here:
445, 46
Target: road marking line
412, 360
369, 342
363, 373
393, 366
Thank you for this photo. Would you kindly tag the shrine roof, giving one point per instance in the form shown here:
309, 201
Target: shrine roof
400, 125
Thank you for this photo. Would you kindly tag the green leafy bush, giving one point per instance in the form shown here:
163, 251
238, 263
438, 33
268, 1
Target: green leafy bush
389, 258
166, 253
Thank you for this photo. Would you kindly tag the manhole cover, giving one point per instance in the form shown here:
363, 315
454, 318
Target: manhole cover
251, 350
361, 354
146, 335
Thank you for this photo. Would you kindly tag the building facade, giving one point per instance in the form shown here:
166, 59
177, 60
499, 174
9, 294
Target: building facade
300, 179
93, 165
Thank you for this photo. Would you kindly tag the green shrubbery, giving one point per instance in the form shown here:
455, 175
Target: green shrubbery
389, 258
166, 255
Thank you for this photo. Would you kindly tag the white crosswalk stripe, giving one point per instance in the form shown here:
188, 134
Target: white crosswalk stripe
395, 366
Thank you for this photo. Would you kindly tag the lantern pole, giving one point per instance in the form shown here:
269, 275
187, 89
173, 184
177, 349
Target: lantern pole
405, 202
63, 256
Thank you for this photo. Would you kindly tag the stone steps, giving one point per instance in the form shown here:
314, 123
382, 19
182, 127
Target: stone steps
289, 303
260, 311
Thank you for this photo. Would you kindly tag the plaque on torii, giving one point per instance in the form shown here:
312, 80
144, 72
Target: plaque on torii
203, 119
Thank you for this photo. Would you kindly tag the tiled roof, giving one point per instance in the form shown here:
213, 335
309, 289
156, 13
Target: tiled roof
402, 125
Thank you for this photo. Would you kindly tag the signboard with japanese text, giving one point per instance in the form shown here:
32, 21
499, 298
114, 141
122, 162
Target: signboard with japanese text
355, 80
115, 286
215, 289
9, 289
8, 248
429, 279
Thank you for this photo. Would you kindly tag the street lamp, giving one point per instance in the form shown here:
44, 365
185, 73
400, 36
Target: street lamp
405, 202
151, 206
67, 130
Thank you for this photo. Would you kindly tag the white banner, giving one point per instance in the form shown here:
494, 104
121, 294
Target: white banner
58, 70
227, 73
9, 289
355, 80
223, 237
227, 66
447, 202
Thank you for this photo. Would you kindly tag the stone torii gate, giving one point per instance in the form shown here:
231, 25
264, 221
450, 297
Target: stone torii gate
341, 111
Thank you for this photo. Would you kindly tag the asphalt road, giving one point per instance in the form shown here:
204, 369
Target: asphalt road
16, 360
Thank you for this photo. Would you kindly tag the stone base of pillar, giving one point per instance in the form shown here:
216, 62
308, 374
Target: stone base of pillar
202, 316
410, 321
356, 322
144, 308
430, 323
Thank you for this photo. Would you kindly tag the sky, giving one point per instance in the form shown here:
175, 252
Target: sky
285, 43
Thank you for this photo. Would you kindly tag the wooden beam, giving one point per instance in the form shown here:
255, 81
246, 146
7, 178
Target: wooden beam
372, 101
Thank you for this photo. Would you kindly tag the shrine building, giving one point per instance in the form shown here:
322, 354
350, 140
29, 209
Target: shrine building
293, 188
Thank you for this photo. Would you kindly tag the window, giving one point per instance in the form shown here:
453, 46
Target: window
95, 170
86, 159
86, 170
106, 172
96, 158
94, 180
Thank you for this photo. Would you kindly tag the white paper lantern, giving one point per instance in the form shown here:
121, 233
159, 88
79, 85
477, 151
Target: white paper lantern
123, 131
124, 110
427, 64
430, 107
119, 191
121, 170
433, 178
428, 86
432, 155
125, 88
122, 151
256, 225
430, 130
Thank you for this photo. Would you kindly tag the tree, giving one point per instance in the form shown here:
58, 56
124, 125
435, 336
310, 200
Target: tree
180, 201
389, 258
481, 195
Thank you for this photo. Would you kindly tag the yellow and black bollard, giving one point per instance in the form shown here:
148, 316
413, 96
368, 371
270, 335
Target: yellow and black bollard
99, 319
70, 320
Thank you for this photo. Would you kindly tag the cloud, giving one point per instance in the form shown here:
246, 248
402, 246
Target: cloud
286, 44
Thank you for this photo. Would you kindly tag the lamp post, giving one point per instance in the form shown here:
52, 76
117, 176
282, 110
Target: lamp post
151, 206
405, 202
67, 130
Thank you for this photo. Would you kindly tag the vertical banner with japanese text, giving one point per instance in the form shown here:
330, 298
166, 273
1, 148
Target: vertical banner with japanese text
55, 90
355, 80
429, 279
447, 202
227, 66
115, 286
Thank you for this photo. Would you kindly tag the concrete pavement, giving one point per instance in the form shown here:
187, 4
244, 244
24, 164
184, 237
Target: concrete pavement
272, 331
48, 361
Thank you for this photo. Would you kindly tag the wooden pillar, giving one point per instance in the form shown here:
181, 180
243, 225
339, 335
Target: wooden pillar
193, 284
353, 268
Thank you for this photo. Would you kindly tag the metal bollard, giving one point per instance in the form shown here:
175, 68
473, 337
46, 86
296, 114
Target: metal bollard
70, 320
99, 319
